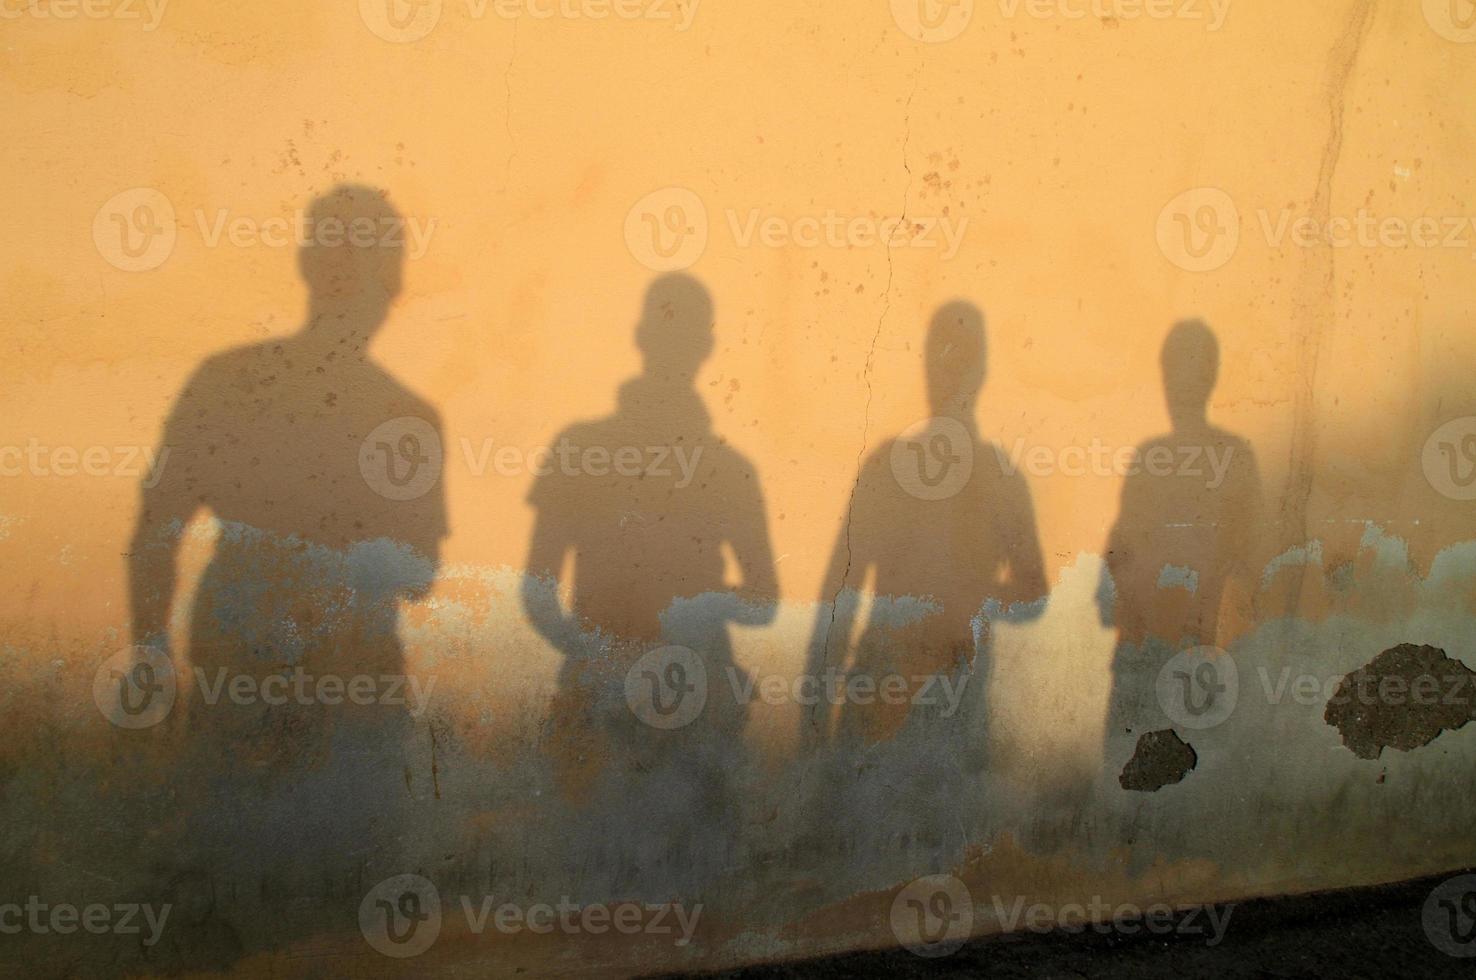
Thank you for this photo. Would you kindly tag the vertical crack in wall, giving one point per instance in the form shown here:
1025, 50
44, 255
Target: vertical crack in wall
870, 361
1319, 291
512, 143
435, 763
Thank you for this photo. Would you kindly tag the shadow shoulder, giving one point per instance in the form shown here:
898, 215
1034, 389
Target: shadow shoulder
1225, 438
403, 399
586, 433
730, 460
231, 374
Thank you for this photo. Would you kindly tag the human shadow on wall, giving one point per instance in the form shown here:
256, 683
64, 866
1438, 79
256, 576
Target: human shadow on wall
943, 537
655, 529
323, 475
1181, 562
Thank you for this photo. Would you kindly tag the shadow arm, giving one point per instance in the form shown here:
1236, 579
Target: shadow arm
1026, 589
167, 503
758, 592
541, 590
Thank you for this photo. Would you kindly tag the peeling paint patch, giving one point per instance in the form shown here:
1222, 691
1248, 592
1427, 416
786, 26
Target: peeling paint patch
1309, 554
1404, 699
1162, 759
1014, 612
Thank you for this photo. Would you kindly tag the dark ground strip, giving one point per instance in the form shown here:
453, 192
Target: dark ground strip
1369, 933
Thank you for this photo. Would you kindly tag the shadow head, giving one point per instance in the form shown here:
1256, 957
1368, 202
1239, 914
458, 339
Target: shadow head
955, 360
1191, 366
675, 333
351, 257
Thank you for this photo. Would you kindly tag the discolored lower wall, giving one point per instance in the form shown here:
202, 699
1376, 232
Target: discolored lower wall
620, 489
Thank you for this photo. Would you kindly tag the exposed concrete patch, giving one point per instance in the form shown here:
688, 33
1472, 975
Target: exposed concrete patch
1403, 700
1179, 577
1162, 759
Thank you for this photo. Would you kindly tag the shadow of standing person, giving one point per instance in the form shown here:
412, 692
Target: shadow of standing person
650, 508
293, 777
947, 540
1181, 559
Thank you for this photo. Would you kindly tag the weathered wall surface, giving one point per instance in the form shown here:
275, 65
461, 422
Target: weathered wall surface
699, 345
